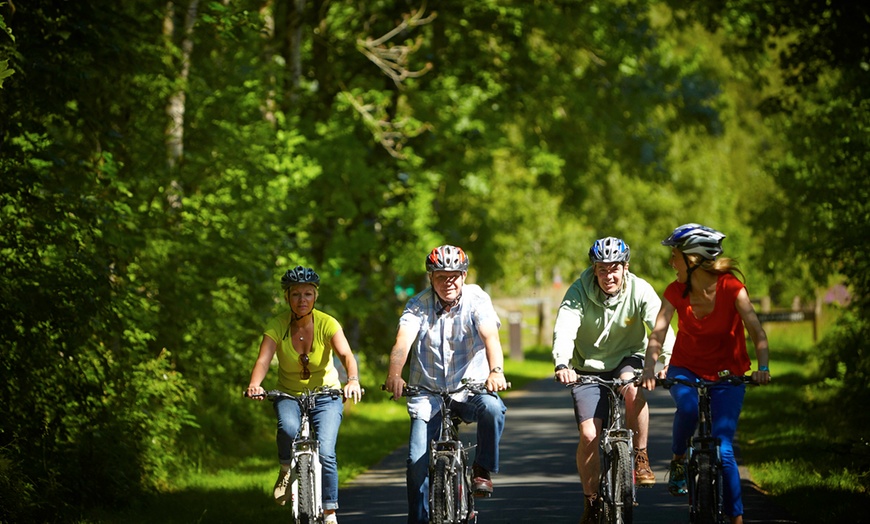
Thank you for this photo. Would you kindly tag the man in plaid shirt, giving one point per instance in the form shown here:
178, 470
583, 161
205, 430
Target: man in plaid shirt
450, 331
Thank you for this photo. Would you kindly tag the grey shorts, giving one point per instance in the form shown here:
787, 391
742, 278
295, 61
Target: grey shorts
591, 400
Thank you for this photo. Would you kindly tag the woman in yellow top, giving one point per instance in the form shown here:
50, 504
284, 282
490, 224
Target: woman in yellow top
304, 340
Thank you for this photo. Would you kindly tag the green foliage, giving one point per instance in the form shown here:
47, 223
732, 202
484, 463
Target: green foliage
5, 48
845, 353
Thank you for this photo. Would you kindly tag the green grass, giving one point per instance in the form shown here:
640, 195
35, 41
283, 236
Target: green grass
802, 445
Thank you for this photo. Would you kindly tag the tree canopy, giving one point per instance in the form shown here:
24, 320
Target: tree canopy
164, 163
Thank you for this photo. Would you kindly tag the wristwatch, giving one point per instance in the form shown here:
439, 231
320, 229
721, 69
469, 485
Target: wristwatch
496, 369
560, 367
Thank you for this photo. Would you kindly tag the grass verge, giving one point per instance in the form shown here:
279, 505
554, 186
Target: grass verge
802, 444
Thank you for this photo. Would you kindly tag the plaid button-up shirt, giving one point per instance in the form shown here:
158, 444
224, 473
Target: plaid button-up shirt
448, 347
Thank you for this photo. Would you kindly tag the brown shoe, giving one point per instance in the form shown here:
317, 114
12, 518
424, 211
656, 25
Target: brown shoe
643, 475
481, 481
590, 509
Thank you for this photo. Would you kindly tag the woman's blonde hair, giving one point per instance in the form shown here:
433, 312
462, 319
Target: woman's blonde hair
720, 266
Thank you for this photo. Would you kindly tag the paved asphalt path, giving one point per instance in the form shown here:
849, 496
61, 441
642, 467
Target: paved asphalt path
538, 481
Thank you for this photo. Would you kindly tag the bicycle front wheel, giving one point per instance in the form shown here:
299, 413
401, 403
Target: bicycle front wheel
706, 506
444, 493
307, 512
618, 503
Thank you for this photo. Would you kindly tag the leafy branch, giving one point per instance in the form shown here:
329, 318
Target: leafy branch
393, 59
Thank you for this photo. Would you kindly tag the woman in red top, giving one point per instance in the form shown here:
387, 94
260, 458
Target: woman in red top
712, 308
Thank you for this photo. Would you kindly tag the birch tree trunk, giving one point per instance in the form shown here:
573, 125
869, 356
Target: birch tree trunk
176, 105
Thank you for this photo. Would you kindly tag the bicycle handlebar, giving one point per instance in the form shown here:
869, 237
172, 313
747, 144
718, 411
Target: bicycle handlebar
729, 379
593, 379
478, 388
319, 391
612, 382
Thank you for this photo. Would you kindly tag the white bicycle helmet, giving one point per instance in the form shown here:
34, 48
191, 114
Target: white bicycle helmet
300, 275
447, 258
609, 249
696, 239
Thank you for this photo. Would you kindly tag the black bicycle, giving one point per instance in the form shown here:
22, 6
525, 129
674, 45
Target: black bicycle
451, 489
305, 470
704, 481
616, 452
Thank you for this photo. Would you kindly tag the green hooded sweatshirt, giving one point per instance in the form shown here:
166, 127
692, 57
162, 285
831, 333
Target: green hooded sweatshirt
594, 332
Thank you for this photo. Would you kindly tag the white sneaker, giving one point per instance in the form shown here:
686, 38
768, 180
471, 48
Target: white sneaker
281, 493
330, 519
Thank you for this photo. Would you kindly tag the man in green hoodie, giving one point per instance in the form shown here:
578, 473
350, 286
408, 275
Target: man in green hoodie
601, 329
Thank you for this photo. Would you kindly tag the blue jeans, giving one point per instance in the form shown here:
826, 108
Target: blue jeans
726, 401
325, 419
488, 411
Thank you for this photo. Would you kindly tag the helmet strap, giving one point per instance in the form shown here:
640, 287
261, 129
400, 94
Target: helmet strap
444, 306
296, 317
689, 270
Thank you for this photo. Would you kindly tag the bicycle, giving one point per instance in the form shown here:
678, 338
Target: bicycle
616, 487
704, 481
305, 470
451, 490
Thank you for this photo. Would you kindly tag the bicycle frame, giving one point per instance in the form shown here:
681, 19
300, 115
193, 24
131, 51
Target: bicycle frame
306, 471
616, 453
704, 481
306, 455
451, 497
451, 492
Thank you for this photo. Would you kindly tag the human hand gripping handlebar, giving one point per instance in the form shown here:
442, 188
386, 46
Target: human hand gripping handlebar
594, 379
478, 388
728, 379
275, 394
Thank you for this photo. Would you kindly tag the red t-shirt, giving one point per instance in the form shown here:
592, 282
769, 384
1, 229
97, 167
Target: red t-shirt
716, 342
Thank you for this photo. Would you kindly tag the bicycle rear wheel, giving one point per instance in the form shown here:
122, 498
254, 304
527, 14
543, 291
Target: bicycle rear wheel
618, 503
307, 512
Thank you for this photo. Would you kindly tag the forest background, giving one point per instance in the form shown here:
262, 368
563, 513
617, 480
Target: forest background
163, 163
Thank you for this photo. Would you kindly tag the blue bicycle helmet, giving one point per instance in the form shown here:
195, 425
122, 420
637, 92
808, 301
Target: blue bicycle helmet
300, 275
609, 249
